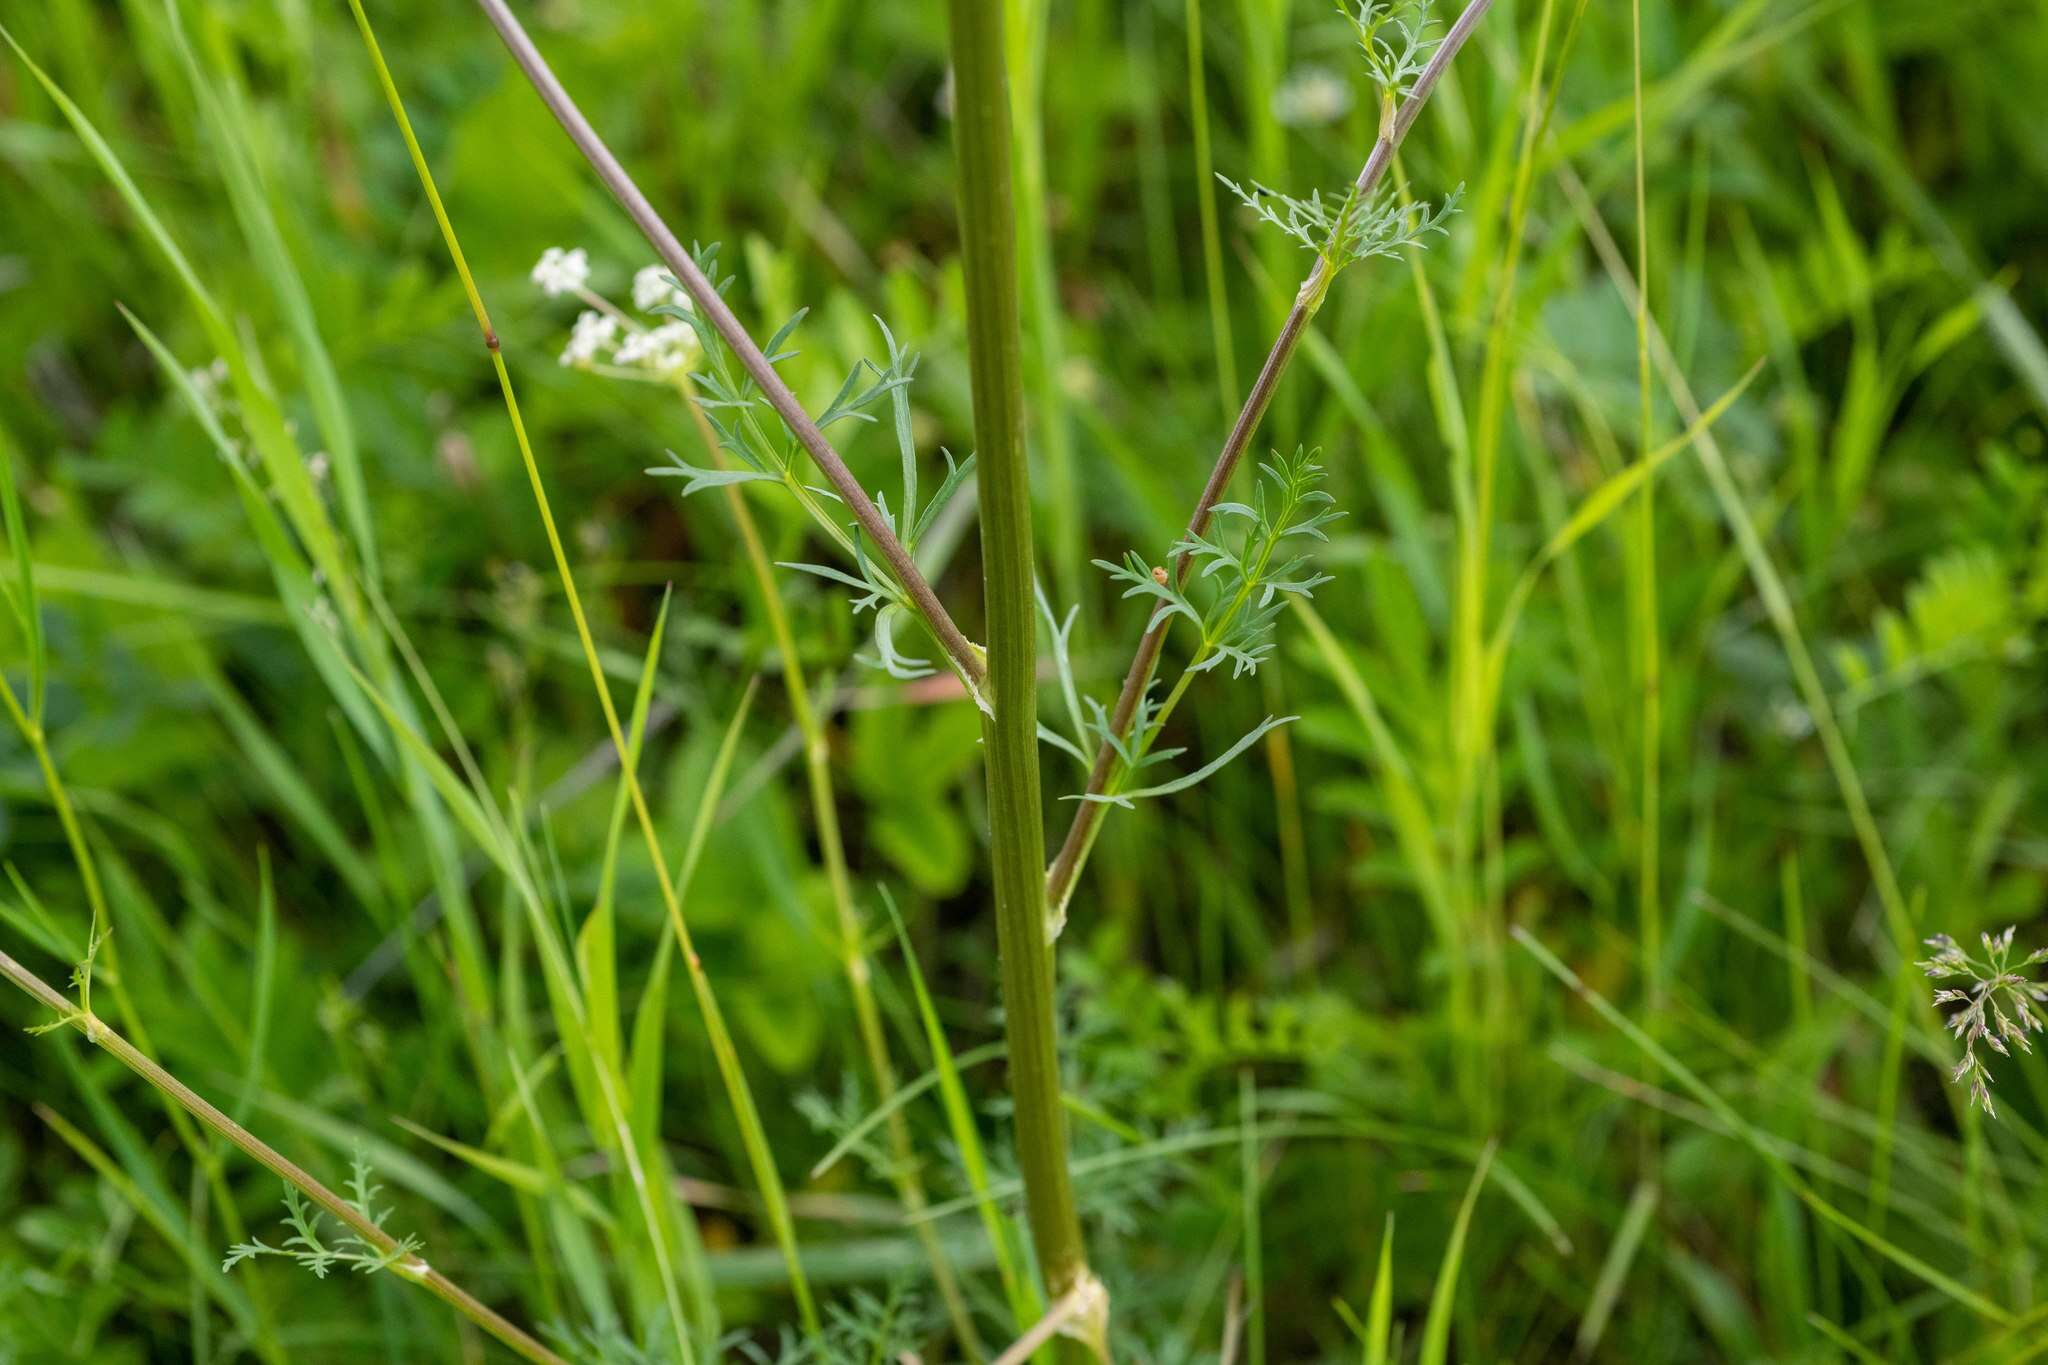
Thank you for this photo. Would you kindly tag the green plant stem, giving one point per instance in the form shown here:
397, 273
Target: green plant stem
965, 657
1770, 1156
1205, 191
981, 133
1087, 822
409, 1267
1644, 621
853, 956
99, 942
1770, 585
753, 1137
1473, 722
1028, 20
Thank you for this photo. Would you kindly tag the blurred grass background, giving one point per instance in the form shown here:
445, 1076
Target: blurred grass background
1851, 191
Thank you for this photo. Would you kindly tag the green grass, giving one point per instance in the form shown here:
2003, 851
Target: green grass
456, 793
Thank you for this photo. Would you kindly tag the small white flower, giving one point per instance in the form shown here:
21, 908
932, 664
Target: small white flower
1311, 95
651, 289
210, 379
593, 332
561, 272
1791, 720
316, 466
668, 347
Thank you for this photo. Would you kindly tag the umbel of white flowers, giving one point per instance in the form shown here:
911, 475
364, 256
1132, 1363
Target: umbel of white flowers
562, 272
1997, 1004
604, 334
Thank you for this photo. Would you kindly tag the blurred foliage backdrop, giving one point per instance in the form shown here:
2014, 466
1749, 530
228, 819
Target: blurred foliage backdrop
1850, 190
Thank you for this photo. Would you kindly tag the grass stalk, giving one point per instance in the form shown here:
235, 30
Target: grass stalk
408, 1267
1205, 198
1028, 22
1771, 1157
753, 1136
1010, 734
1644, 626
1770, 587
1648, 639
1087, 821
853, 958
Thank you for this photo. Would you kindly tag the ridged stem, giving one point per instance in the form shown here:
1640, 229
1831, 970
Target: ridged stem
988, 232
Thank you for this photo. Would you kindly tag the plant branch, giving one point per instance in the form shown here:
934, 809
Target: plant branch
1078, 1302
406, 1266
963, 654
1087, 823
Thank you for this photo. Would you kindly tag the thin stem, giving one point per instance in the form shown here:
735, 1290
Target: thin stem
1771, 589
1074, 850
832, 851
407, 1267
753, 1137
981, 132
1205, 189
1648, 637
966, 659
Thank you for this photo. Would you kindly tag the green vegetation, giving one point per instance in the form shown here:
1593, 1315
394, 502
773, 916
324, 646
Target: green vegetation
557, 703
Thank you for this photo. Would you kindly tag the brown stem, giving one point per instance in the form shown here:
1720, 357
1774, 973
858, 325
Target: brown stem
407, 1267
965, 657
1066, 864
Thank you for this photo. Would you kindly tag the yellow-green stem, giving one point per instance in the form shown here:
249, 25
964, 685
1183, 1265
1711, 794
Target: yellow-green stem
739, 1094
832, 851
407, 1267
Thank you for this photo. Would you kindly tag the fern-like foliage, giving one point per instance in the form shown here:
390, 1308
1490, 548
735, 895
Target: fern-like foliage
1246, 562
859, 1330
313, 1251
1347, 228
766, 451
1239, 572
1397, 39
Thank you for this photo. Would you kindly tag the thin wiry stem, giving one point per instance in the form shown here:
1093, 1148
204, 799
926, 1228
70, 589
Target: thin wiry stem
1087, 823
817, 756
407, 1266
966, 658
1644, 615
1771, 589
753, 1137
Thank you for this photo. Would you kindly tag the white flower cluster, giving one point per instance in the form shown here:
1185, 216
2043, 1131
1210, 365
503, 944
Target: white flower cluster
593, 333
662, 349
1311, 96
210, 379
604, 334
653, 286
562, 272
